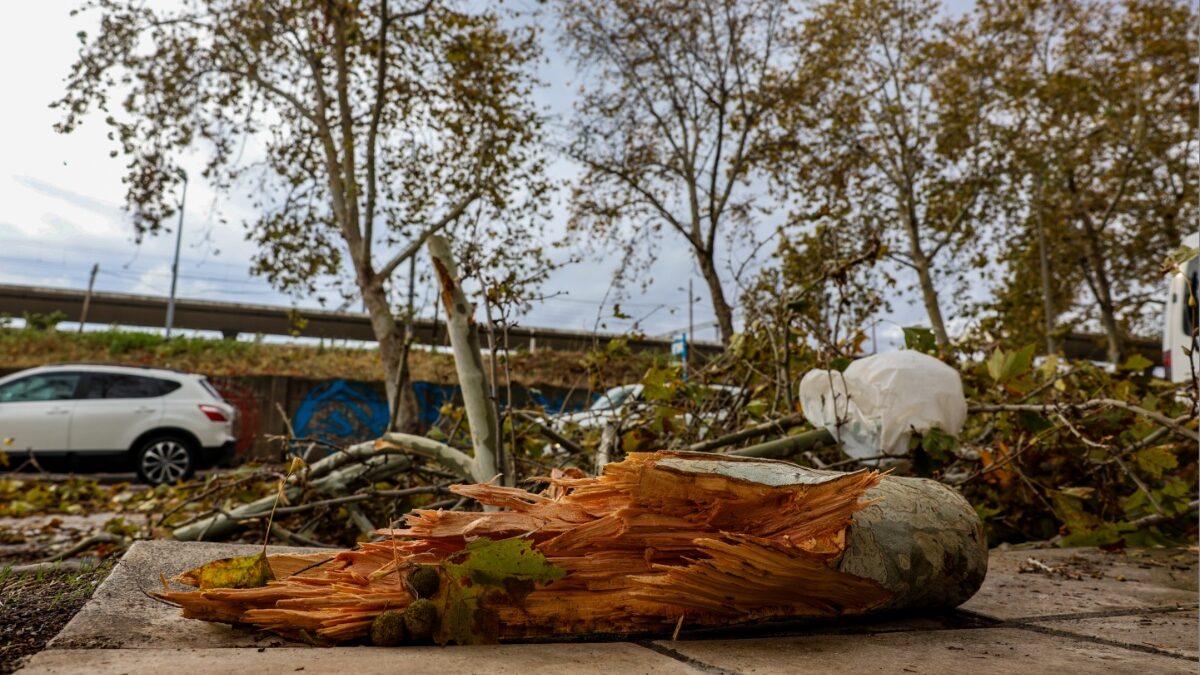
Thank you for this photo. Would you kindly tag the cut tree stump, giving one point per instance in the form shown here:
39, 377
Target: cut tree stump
660, 540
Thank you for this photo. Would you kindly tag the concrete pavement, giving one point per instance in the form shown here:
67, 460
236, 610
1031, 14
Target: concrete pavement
1052, 610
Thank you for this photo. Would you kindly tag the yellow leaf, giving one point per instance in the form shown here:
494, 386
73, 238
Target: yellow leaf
296, 465
250, 571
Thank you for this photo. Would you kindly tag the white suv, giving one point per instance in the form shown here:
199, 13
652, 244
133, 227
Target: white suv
165, 423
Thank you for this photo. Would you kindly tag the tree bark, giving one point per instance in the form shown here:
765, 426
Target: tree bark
921, 540
721, 309
1097, 275
468, 362
1049, 318
390, 337
921, 264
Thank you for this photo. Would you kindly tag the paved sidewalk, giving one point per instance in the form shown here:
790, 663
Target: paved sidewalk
1067, 611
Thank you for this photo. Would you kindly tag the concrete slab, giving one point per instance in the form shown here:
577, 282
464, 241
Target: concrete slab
561, 659
1092, 612
121, 615
977, 651
1083, 581
1174, 632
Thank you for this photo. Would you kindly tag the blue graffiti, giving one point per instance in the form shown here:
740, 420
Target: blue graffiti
431, 397
342, 412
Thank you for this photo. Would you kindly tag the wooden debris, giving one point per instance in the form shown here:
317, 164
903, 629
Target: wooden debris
659, 536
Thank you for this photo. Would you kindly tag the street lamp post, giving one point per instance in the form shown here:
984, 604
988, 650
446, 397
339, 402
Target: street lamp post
175, 265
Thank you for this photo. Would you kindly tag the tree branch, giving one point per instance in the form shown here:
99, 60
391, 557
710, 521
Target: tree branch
1089, 405
415, 245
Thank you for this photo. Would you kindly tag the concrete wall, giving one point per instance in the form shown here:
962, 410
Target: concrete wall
349, 411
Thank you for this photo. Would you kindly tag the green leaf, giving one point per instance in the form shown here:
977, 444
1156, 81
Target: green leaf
251, 571
1070, 509
1004, 366
488, 571
919, 338
1033, 422
658, 384
1156, 460
1137, 363
1102, 535
938, 444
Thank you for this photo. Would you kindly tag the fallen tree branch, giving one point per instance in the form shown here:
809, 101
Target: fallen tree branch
332, 475
779, 426
787, 446
257, 475
1089, 405
33, 568
1159, 519
550, 434
296, 538
85, 544
361, 497
451, 458
361, 521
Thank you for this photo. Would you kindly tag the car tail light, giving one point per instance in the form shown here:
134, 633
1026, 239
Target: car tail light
214, 413
1167, 363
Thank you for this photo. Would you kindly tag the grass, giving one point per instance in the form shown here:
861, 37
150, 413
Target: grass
35, 607
26, 348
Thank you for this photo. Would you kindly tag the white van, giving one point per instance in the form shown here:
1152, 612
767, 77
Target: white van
1180, 319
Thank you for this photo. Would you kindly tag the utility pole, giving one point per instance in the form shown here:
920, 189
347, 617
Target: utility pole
175, 265
688, 335
87, 299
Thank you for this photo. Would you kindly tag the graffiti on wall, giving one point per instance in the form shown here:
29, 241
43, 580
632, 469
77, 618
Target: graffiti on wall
341, 412
431, 397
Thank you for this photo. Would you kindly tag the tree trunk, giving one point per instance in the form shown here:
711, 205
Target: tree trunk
921, 540
628, 553
390, 337
468, 361
925, 280
721, 308
1097, 273
1049, 318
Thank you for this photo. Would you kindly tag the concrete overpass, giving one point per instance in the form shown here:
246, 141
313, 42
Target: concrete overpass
231, 318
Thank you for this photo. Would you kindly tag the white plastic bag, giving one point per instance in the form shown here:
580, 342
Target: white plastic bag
882, 399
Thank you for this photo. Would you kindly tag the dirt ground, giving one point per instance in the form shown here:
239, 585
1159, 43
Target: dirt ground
35, 607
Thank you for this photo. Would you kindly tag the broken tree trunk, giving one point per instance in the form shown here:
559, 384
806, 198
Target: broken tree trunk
660, 540
468, 361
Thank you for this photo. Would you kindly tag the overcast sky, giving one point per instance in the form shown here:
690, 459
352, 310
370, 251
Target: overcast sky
61, 196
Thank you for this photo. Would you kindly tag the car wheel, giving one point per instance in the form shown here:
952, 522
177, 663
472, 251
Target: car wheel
166, 459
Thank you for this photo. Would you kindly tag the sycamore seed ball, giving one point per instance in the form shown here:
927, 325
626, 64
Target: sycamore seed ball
388, 629
421, 619
424, 581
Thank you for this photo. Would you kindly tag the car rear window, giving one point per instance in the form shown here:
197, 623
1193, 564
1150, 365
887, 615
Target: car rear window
211, 390
113, 385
